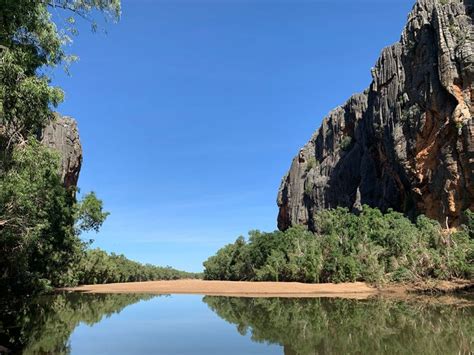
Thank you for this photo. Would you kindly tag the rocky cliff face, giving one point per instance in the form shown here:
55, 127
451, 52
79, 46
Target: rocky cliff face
62, 135
407, 142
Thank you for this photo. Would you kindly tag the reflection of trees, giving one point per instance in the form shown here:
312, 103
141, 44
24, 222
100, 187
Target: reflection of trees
44, 325
339, 326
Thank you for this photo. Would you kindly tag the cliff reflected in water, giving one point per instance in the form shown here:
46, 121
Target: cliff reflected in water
342, 326
44, 325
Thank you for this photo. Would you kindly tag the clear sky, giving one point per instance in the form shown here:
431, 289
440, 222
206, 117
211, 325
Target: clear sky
190, 112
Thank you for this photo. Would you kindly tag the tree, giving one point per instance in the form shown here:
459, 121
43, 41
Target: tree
39, 219
89, 214
372, 246
30, 41
37, 241
470, 222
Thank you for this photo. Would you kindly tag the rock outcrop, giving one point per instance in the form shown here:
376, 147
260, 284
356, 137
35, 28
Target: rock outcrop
62, 135
407, 142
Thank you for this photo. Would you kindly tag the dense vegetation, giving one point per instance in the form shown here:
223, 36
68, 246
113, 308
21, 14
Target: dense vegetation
370, 246
40, 217
342, 326
99, 267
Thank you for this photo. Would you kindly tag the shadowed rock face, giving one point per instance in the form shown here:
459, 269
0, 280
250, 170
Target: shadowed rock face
62, 135
407, 142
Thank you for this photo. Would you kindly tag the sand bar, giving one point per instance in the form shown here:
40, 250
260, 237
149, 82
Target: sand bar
354, 290
235, 288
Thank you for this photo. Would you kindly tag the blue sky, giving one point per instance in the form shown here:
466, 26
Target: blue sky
190, 112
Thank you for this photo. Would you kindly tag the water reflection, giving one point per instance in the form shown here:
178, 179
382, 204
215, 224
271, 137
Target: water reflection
44, 325
341, 326
300, 326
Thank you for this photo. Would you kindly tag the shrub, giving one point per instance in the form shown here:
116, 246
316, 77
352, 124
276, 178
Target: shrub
469, 223
308, 188
346, 143
311, 164
371, 246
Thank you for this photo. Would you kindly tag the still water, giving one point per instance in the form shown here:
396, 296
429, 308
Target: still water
189, 324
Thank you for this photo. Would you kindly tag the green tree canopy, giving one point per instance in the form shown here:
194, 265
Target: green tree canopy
371, 246
30, 41
40, 220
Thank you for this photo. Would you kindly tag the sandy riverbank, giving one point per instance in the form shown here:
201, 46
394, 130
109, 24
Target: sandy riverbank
358, 290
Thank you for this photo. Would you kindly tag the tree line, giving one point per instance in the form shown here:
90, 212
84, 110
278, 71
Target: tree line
370, 246
99, 267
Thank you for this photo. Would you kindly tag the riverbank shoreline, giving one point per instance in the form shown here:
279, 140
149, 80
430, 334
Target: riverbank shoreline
354, 290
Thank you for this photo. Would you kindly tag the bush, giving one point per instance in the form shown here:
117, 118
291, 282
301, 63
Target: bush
311, 164
308, 188
346, 143
469, 223
371, 246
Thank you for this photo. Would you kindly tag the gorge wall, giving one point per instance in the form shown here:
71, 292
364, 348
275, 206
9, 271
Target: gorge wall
407, 142
62, 135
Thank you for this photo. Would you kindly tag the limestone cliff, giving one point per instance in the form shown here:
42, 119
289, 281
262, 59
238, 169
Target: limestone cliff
407, 142
62, 135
